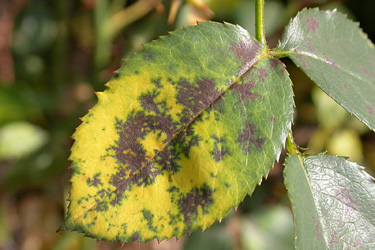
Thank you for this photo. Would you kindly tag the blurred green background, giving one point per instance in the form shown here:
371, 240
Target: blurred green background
55, 53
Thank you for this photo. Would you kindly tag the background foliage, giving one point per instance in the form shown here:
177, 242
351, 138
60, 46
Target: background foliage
55, 54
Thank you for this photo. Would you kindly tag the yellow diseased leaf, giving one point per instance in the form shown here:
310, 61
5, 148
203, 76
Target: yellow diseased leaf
187, 127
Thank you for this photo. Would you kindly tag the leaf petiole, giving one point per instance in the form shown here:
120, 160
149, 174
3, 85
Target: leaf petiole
291, 146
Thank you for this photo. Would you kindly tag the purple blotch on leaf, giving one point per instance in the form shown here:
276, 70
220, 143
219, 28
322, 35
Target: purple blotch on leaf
95, 181
312, 24
246, 51
200, 196
248, 139
370, 109
317, 227
219, 150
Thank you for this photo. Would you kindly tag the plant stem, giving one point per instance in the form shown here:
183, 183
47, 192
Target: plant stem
260, 32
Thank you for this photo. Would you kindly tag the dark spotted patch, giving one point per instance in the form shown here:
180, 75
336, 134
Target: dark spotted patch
95, 181
247, 138
134, 167
116, 76
189, 203
148, 102
157, 82
219, 150
168, 158
245, 91
186, 140
272, 119
275, 64
135, 236
174, 219
219, 105
173, 189
123, 181
149, 56
149, 218
246, 51
263, 74
312, 24
131, 154
102, 193
345, 86
102, 206
196, 96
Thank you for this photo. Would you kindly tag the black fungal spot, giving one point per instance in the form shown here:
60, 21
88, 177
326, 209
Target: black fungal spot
102, 206
245, 91
148, 102
135, 236
220, 150
247, 138
95, 181
148, 216
129, 152
168, 159
188, 139
189, 204
102, 193
134, 166
173, 189
157, 82
196, 96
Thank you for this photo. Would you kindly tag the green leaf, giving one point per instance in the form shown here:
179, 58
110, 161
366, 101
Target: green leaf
338, 57
20, 139
333, 201
187, 128
269, 227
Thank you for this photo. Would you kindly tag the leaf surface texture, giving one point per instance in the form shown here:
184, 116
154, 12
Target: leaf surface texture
333, 201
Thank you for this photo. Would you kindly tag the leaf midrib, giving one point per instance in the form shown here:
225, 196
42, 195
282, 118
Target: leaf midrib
316, 57
250, 65
302, 165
